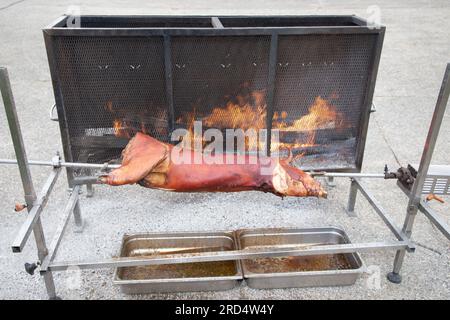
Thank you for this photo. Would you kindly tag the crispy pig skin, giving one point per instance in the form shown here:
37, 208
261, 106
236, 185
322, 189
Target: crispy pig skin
148, 162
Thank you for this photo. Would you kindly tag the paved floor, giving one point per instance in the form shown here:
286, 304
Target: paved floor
415, 53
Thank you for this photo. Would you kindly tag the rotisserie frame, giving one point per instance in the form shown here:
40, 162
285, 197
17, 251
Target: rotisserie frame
36, 202
151, 70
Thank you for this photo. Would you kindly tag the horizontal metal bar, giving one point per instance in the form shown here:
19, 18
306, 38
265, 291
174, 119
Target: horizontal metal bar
35, 212
68, 210
348, 175
152, 17
79, 181
383, 215
249, 253
90, 165
64, 164
435, 219
239, 31
94, 179
34, 163
115, 166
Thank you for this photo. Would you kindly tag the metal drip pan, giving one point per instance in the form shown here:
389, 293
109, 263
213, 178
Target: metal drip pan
304, 271
199, 276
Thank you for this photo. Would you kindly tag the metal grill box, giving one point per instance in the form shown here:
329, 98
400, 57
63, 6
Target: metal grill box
151, 71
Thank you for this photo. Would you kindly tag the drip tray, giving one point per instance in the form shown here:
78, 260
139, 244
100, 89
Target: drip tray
276, 272
302, 271
199, 276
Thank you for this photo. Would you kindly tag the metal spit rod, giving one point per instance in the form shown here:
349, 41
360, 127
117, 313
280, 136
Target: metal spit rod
106, 166
64, 164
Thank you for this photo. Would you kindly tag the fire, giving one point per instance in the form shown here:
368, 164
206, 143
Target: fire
250, 112
120, 129
322, 115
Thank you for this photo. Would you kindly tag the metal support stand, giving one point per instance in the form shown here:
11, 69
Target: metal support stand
352, 198
416, 190
28, 187
36, 204
79, 222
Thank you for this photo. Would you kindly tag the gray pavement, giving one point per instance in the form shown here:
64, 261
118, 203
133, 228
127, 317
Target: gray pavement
415, 53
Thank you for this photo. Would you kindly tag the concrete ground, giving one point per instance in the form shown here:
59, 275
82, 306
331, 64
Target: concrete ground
415, 53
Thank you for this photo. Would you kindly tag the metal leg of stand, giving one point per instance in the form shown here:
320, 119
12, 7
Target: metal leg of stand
416, 190
330, 182
89, 190
27, 182
79, 222
352, 199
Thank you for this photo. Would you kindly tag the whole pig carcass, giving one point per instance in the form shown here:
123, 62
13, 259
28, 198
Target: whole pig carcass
158, 165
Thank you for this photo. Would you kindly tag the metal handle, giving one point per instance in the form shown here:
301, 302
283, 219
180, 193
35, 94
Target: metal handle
52, 117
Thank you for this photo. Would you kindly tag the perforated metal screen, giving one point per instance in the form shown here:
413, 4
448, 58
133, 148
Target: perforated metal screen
209, 72
335, 68
111, 84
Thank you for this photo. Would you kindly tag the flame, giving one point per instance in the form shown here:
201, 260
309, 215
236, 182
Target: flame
322, 115
249, 112
243, 112
234, 116
120, 129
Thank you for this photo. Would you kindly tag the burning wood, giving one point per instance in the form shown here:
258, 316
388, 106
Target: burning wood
151, 163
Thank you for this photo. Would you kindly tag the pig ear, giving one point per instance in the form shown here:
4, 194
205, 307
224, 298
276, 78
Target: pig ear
290, 156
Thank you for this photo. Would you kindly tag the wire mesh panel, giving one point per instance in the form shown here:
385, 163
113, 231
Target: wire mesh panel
221, 73
320, 92
112, 87
117, 75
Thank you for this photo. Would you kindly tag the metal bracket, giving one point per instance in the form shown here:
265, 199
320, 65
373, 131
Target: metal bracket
52, 116
405, 176
34, 213
56, 160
